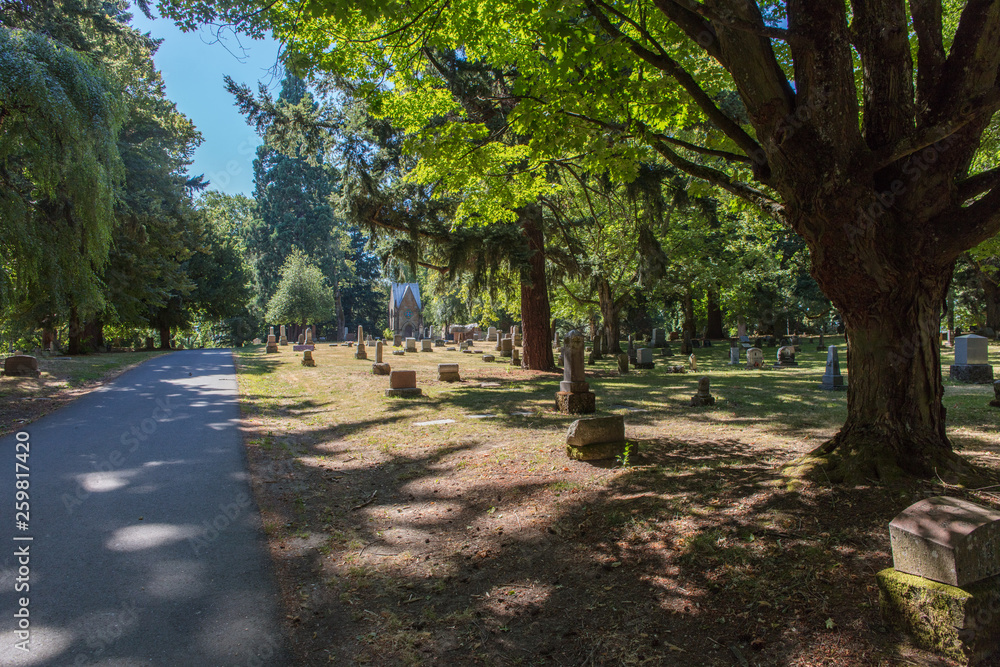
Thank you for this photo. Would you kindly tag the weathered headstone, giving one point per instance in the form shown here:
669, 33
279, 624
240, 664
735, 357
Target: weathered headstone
832, 379
380, 367
686, 346
755, 358
745, 342
307, 358
411, 344
438, 342
426, 345
21, 365
595, 438
282, 339
491, 334
644, 358
309, 336
448, 373
658, 338
693, 362
517, 336
506, 347
403, 383
397, 340
574, 395
734, 354
704, 395
302, 339
971, 360
944, 586
674, 335
498, 343
515, 357
489, 357
272, 343
631, 350
996, 394
622, 364
361, 352
705, 342
821, 347
786, 357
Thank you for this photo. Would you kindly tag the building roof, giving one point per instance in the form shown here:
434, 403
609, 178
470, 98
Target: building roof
399, 291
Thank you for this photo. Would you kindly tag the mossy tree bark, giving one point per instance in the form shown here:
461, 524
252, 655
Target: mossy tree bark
535, 311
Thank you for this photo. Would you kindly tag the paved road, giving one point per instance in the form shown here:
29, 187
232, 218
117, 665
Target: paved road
147, 548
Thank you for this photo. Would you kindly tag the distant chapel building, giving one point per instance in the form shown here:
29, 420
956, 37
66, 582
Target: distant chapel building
405, 317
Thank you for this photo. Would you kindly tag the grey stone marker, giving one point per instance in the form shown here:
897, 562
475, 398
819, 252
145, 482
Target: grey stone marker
658, 338
595, 438
379, 367
515, 357
944, 588
971, 360
491, 334
309, 336
506, 347
820, 347
21, 365
411, 344
734, 354
786, 357
448, 373
622, 364
755, 358
489, 357
996, 394
282, 339
574, 395
832, 379
361, 352
272, 343
403, 383
426, 345
631, 350
307, 358
397, 340
704, 395
644, 358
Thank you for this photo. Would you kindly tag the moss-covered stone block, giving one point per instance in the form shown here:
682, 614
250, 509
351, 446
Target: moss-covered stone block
960, 623
596, 451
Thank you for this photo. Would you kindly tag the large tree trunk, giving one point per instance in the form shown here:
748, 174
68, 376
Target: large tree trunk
688, 305
610, 310
535, 311
991, 290
93, 333
338, 334
895, 416
713, 326
164, 335
75, 333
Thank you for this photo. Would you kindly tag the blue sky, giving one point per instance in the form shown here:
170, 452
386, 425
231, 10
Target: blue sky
192, 69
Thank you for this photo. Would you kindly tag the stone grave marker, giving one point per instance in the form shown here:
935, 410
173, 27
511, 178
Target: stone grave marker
21, 365
820, 347
507, 347
309, 336
302, 339
704, 395
622, 364
438, 342
307, 358
832, 379
996, 394
426, 345
658, 339
644, 358
755, 358
448, 373
411, 344
272, 343
971, 360
397, 340
403, 383
944, 587
631, 350
574, 395
786, 357
498, 343
734, 354
693, 362
491, 334
380, 367
596, 438
361, 353
489, 357
282, 339
686, 346
515, 357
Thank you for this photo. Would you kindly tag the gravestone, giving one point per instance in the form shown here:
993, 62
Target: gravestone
658, 338
438, 343
944, 587
755, 358
734, 354
644, 358
686, 347
821, 346
786, 357
270, 331
596, 438
491, 334
380, 367
397, 340
307, 358
574, 395
426, 345
282, 339
704, 395
448, 373
595, 349
489, 357
256, 341
693, 362
667, 351
399, 353
507, 347
21, 365
498, 343
515, 357
403, 383
832, 379
272, 343
996, 394
411, 344
302, 339
309, 336
971, 360
622, 364
361, 353
705, 342
517, 336
631, 350
745, 342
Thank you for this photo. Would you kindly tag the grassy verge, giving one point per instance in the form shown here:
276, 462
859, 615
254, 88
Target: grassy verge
476, 541
62, 379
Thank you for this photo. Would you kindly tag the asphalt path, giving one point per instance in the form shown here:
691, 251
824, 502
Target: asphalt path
146, 546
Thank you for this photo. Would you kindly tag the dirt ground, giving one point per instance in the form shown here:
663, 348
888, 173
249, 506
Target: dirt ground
478, 542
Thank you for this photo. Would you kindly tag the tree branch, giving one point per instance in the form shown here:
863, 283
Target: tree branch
930, 48
563, 284
978, 184
730, 20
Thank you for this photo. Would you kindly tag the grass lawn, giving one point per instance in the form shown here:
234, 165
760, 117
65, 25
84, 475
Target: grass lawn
25, 399
478, 542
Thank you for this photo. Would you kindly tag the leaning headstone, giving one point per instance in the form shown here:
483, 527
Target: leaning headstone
574, 395
996, 394
644, 358
622, 364
448, 373
403, 383
411, 344
595, 438
272, 343
693, 362
944, 587
704, 395
21, 365
307, 358
832, 379
755, 358
971, 360
786, 357
426, 345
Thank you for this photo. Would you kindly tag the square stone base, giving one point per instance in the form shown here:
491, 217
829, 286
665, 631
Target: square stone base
303, 348
596, 452
648, 366
960, 623
833, 383
360, 355
971, 373
381, 369
308, 362
449, 377
410, 391
578, 403
272, 349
